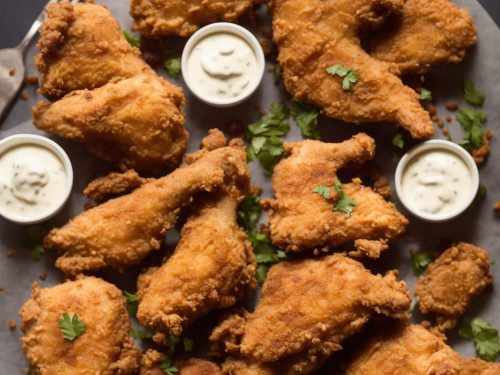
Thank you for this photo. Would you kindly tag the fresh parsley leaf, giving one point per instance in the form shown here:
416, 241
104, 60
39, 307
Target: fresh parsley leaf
71, 326
344, 203
471, 121
172, 65
485, 337
32, 239
167, 365
472, 94
265, 254
36, 252
322, 190
481, 192
350, 76
306, 118
188, 344
132, 39
264, 136
249, 213
142, 333
420, 260
132, 302
278, 73
398, 141
261, 273
425, 95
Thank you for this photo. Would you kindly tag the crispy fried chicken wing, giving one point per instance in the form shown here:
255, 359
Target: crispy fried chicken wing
154, 18
314, 35
105, 347
301, 219
451, 281
122, 231
475, 366
134, 123
429, 32
308, 307
151, 360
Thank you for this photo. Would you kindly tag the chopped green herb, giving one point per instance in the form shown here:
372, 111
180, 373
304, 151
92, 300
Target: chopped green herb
471, 121
71, 326
322, 190
261, 273
306, 118
265, 254
132, 302
132, 39
167, 365
172, 65
485, 337
188, 344
142, 334
473, 95
278, 73
482, 191
264, 135
32, 239
425, 95
398, 141
249, 213
36, 252
420, 260
350, 76
344, 203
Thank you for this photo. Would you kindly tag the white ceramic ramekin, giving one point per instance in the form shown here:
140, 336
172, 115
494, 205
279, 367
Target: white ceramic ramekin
438, 144
235, 30
31, 139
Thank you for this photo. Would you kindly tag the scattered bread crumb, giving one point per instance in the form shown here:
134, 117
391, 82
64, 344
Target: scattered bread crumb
448, 118
12, 325
439, 122
42, 276
480, 154
446, 132
24, 95
1, 289
452, 106
12, 71
496, 206
30, 80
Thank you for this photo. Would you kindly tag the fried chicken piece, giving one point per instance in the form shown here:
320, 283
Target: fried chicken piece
450, 282
405, 350
308, 307
212, 267
113, 185
429, 32
151, 360
475, 366
134, 123
105, 347
122, 231
314, 35
301, 219
156, 18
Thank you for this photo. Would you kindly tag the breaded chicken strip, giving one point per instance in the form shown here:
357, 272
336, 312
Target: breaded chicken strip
82, 47
308, 307
450, 282
301, 219
212, 267
155, 18
134, 123
122, 231
475, 366
105, 347
429, 32
314, 35
151, 360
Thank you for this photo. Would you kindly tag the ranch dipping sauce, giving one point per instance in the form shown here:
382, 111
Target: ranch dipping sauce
33, 181
436, 181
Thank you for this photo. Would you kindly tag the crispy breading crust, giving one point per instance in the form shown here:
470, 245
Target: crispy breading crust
113, 185
105, 347
151, 360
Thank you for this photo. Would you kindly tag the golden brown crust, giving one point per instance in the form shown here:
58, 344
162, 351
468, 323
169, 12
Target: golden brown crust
475, 366
316, 34
105, 347
301, 219
151, 359
113, 185
451, 281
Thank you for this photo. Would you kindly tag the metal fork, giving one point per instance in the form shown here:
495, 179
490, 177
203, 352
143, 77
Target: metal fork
12, 64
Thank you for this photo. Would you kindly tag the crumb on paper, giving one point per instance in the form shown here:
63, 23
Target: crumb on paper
439, 122
448, 118
2, 289
12, 71
480, 154
432, 110
452, 106
30, 79
496, 206
446, 132
24, 95
42, 276
12, 325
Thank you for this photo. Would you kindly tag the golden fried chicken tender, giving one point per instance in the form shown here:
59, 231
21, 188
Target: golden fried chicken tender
151, 360
314, 35
429, 32
134, 123
450, 282
475, 366
122, 231
82, 47
301, 219
212, 267
155, 18
105, 347
308, 307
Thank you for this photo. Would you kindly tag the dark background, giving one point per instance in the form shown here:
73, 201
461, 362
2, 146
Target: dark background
16, 16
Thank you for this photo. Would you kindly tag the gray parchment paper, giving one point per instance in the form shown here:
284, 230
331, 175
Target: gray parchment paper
478, 225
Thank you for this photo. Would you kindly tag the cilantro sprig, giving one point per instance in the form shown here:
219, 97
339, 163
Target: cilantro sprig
425, 95
398, 141
306, 118
132, 302
278, 73
472, 121
472, 94
485, 338
142, 333
264, 136
132, 39
350, 76
343, 203
71, 326
32, 239
420, 260
172, 63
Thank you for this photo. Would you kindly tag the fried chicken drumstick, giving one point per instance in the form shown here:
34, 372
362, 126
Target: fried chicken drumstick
122, 231
301, 219
104, 347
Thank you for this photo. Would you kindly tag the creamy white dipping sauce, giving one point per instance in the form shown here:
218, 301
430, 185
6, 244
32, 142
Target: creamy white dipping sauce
32, 181
222, 65
436, 182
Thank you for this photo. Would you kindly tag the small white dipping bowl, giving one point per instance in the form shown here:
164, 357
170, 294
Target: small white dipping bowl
31, 139
438, 144
231, 29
